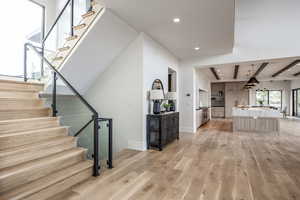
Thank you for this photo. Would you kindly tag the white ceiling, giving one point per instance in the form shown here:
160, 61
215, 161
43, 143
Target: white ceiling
208, 24
246, 70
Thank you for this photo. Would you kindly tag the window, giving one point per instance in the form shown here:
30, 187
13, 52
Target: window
27, 26
262, 97
269, 97
296, 102
275, 98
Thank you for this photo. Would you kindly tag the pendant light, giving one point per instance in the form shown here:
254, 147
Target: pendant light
253, 80
250, 85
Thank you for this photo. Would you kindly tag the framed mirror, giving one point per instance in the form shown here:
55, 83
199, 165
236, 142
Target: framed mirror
157, 85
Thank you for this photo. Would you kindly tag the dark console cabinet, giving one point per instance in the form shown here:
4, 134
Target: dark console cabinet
162, 129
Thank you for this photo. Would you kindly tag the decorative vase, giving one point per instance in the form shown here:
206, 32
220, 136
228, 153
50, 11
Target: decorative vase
172, 107
156, 107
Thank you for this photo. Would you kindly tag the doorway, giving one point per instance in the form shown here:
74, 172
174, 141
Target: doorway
172, 80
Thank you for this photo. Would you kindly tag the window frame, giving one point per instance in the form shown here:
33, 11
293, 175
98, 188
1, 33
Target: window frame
268, 96
295, 108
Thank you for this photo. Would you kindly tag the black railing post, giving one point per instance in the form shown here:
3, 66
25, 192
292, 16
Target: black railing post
42, 39
54, 111
42, 61
96, 145
91, 6
25, 62
110, 144
72, 17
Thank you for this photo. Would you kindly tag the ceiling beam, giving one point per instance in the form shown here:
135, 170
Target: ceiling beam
260, 69
236, 71
286, 68
213, 70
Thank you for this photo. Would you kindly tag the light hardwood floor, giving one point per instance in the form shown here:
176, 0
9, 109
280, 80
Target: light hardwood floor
214, 164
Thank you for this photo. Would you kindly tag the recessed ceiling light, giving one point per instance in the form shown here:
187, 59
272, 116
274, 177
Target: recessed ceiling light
176, 20
197, 48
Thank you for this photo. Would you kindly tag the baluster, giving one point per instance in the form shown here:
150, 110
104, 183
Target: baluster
72, 17
25, 62
54, 111
96, 145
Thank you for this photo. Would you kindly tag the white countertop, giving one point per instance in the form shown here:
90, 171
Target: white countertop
256, 112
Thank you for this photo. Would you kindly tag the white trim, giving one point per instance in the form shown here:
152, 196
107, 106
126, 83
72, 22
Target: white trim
186, 130
136, 145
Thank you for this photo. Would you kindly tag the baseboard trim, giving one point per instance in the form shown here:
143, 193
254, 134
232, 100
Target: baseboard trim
186, 130
136, 145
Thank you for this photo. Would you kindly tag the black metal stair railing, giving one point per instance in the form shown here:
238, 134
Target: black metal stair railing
40, 51
95, 116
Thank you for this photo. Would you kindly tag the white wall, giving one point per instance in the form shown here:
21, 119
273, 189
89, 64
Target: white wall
203, 83
187, 98
156, 62
295, 84
117, 94
191, 81
107, 39
51, 11
285, 86
121, 91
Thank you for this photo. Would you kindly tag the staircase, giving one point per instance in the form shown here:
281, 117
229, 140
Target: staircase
79, 32
37, 157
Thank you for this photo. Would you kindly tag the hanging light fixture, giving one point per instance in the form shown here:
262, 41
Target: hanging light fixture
250, 85
253, 80
247, 87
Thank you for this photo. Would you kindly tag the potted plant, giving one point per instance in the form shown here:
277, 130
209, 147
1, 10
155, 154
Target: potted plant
261, 102
167, 107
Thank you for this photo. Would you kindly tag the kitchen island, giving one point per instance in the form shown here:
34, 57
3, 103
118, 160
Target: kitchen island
256, 119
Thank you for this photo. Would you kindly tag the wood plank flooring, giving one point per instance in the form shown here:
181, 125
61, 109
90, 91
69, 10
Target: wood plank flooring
214, 164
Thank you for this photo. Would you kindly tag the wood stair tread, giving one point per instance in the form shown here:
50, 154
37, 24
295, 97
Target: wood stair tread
88, 14
20, 82
31, 131
27, 120
74, 37
64, 49
58, 58
16, 103
46, 143
22, 154
15, 139
80, 26
23, 109
19, 90
21, 125
44, 182
18, 175
23, 113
